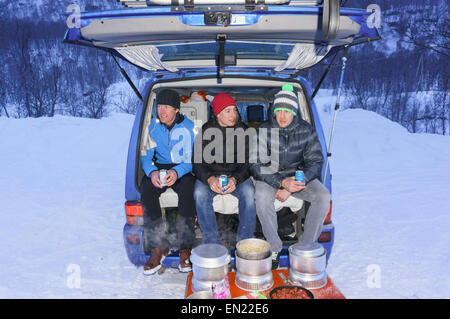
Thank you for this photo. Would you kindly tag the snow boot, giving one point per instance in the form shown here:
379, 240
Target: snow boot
185, 264
153, 264
275, 260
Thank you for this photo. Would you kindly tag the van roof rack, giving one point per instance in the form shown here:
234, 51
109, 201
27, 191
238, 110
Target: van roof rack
192, 3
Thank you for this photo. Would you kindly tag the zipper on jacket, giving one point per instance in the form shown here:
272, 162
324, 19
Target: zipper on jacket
285, 151
177, 121
168, 138
168, 143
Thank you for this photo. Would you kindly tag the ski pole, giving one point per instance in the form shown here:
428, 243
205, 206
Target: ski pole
336, 108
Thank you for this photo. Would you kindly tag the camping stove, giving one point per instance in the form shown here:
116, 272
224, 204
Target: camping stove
254, 275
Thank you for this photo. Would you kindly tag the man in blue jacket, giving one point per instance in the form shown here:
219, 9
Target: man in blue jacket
171, 138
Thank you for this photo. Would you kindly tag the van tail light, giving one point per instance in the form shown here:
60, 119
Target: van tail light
328, 218
134, 213
133, 239
324, 237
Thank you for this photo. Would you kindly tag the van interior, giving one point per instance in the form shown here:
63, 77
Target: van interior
254, 99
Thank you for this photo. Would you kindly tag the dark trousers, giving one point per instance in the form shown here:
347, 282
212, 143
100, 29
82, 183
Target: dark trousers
154, 228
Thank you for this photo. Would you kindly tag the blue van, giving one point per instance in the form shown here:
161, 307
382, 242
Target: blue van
249, 48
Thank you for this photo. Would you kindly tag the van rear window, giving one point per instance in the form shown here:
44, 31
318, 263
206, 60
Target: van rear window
209, 49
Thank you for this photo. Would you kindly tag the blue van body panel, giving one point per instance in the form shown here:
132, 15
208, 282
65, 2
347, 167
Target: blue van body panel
131, 193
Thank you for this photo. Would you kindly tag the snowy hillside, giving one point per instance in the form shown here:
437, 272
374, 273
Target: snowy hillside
414, 40
391, 210
62, 195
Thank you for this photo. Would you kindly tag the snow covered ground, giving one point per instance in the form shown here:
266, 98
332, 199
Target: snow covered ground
62, 196
391, 208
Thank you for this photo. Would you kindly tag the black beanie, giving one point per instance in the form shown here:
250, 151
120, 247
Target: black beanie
168, 97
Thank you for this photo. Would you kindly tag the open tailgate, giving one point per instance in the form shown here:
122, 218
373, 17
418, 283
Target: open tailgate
173, 37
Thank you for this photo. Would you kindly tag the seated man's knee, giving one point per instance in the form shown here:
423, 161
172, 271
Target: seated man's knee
323, 194
147, 187
261, 197
248, 190
262, 194
197, 194
201, 191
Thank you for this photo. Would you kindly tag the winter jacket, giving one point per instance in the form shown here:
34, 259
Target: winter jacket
171, 147
237, 168
299, 149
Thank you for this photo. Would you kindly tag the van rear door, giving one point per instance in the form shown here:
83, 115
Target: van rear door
173, 37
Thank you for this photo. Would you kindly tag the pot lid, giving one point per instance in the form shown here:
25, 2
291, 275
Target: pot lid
307, 249
210, 256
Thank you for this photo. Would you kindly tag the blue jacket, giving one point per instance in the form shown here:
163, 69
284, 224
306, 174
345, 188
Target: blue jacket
170, 146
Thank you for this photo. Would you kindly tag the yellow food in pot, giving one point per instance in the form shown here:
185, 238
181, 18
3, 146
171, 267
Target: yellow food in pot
252, 248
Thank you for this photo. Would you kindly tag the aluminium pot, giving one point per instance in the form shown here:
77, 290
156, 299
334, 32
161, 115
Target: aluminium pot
315, 281
248, 267
210, 262
309, 259
261, 249
254, 283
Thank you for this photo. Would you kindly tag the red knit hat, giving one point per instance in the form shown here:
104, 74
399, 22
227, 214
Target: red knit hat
221, 101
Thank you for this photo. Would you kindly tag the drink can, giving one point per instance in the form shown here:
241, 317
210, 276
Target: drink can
162, 174
300, 176
223, 180
221, 289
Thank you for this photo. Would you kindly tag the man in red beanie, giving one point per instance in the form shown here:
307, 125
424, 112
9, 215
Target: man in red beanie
225, 158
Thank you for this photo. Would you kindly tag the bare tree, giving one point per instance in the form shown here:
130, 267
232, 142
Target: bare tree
126, 101
52, 76
21, 68
442, 106
95, 106
433, 33
100, 78
53, 93
3, 95
413, 116
358, 83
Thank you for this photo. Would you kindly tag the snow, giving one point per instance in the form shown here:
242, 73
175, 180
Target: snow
62, 213
62, 195
390, 208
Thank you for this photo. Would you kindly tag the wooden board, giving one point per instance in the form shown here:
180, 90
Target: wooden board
330, 291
